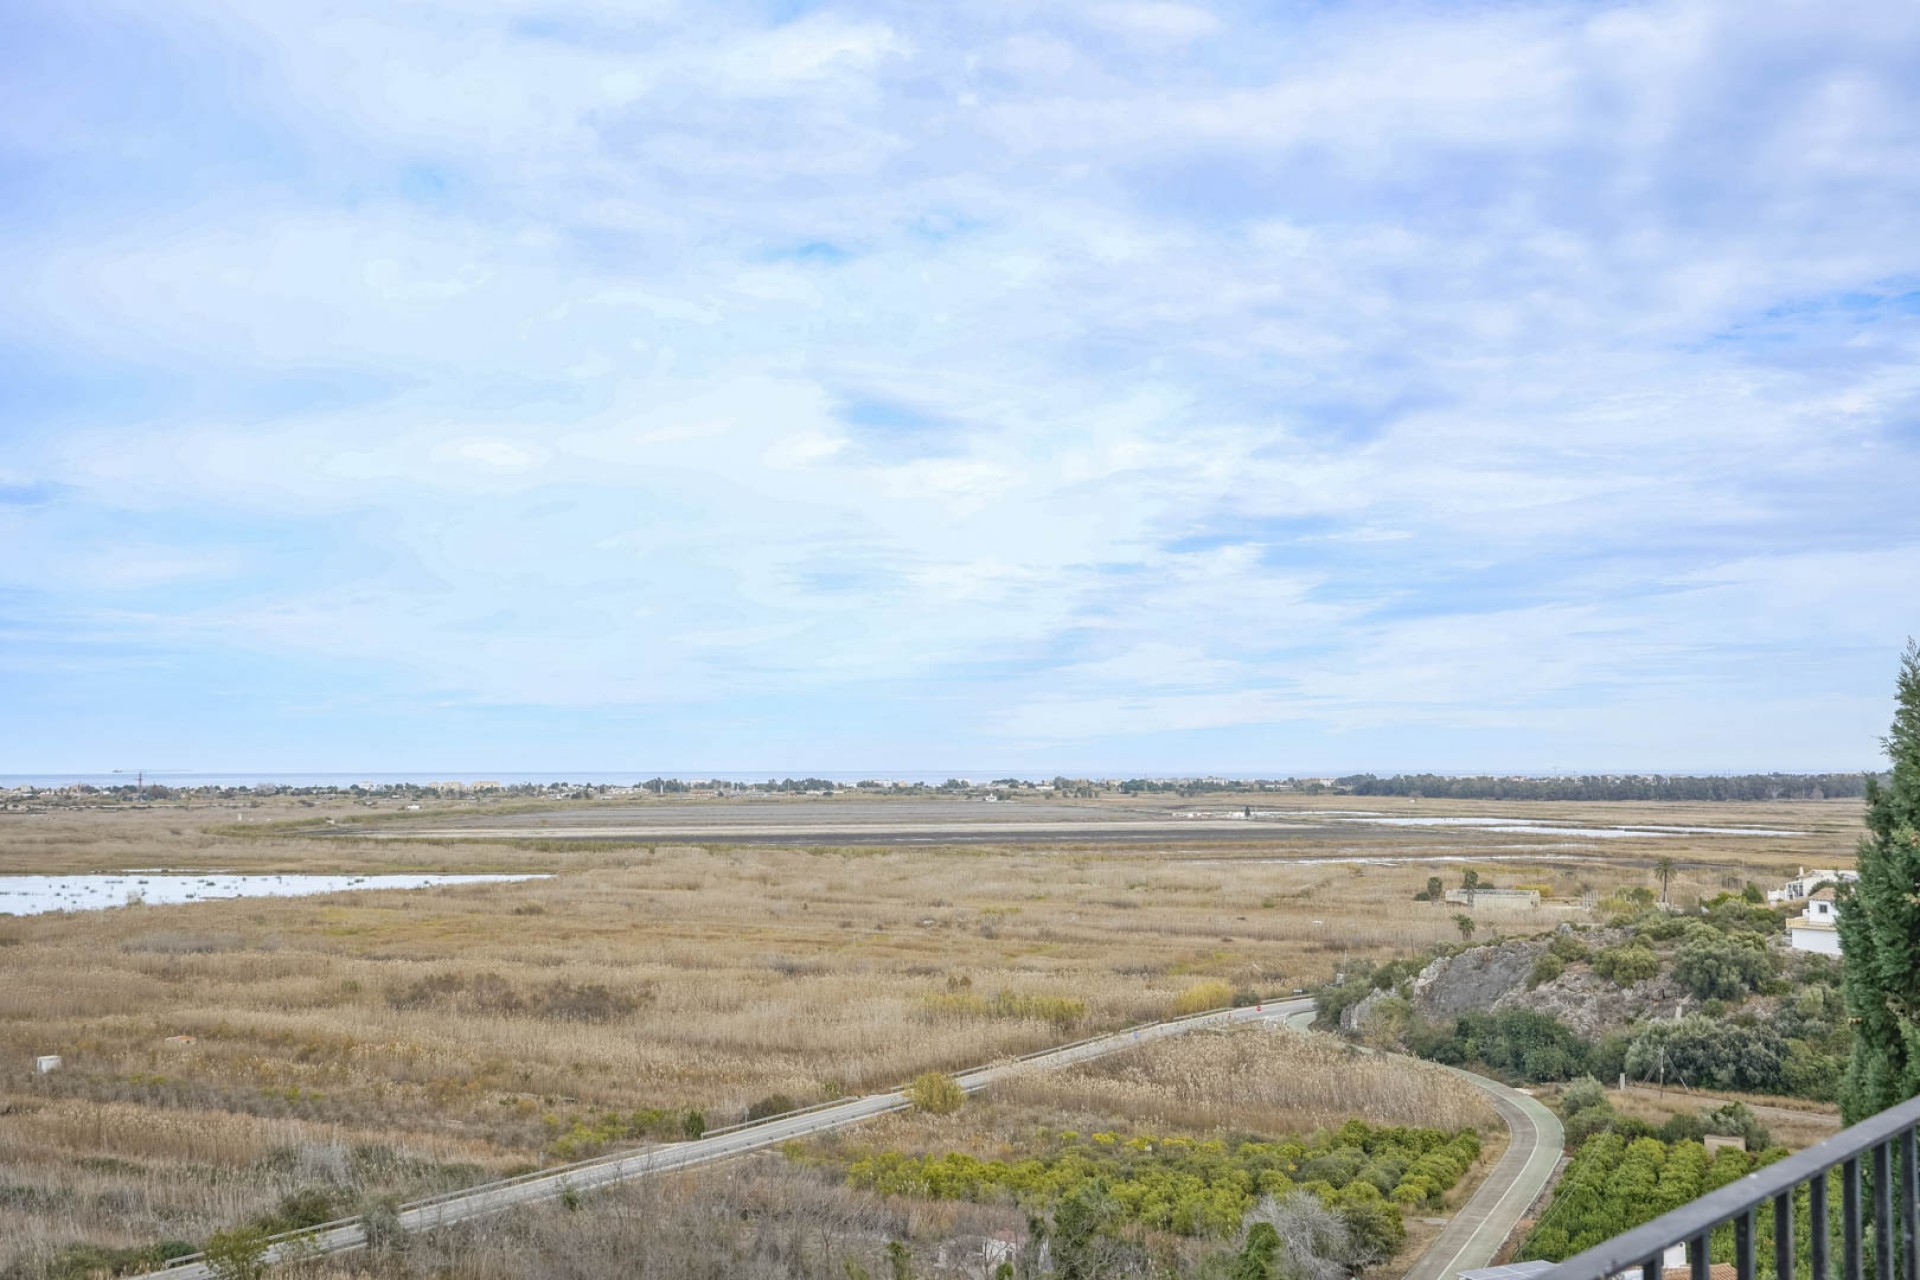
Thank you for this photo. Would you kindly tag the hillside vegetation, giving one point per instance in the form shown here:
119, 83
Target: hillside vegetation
1711, 999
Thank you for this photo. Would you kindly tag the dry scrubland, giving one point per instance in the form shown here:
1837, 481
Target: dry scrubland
772, 1217
405, 1041
1258, 1081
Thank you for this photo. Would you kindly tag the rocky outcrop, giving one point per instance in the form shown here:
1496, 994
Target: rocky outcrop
1494, 977
1593, 1005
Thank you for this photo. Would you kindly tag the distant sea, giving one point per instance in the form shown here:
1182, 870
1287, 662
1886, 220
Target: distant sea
127, 778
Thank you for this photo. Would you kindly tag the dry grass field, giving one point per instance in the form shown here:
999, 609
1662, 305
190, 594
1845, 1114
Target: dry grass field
401, 1041
775, 1217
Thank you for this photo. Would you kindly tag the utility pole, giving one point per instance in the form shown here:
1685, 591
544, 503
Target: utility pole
140, 780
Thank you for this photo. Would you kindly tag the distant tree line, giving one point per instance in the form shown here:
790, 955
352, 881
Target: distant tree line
1747, 786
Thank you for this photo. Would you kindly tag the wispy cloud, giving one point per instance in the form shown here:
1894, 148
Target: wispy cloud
1130, 385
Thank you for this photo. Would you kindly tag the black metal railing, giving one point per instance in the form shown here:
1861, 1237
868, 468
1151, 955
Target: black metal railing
1875, 1161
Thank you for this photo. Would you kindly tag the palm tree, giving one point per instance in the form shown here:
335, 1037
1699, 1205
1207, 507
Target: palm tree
1464, 923
1663, 867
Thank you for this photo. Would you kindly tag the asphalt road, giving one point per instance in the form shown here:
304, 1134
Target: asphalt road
1471, 1239
1476, 1232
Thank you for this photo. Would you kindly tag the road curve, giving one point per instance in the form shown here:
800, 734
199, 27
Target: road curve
1476, 1232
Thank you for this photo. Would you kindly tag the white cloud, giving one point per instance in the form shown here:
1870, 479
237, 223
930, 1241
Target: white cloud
1158, 20
1444, 367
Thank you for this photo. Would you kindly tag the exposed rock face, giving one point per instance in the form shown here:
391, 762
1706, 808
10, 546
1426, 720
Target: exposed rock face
1593, 1005
1494, 977
1478, 978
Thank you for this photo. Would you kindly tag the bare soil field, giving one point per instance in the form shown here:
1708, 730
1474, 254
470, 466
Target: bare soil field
219, 1056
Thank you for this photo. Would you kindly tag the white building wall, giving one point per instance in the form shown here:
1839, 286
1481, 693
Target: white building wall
1825, 941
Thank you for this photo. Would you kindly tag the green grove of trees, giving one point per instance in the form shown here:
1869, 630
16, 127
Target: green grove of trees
1880, 923
1367, 1175
1614, 1184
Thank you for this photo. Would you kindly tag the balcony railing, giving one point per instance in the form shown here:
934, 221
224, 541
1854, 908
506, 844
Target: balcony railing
1876, 1162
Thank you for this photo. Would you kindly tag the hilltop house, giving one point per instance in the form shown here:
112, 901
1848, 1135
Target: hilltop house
1803, 885
1815, 929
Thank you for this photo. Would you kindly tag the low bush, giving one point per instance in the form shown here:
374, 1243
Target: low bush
774, 1104
1628, 963
1548, 967
936, 1093
580, 1136
86, 1261
307, 1207
237, 1254
1570, 948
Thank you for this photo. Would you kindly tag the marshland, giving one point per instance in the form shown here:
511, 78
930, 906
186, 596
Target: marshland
223, 1059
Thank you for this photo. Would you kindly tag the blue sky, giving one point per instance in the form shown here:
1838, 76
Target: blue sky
1119, 387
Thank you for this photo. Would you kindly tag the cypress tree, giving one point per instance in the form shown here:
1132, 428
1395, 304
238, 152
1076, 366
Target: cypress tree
1880, 923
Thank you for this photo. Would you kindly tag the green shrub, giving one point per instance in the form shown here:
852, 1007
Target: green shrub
380, 1221
1708, 1053
1548, 967
1722, 966
774, 1104
1516, 1042
936, 1093
237, 1254
1570, 948
87, 1261
1581, 1094
1736, 1120
1627, 964
307, 1207
1197, 1188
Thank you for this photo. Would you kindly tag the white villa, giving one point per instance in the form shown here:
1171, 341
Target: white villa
1802, 885
1814, 929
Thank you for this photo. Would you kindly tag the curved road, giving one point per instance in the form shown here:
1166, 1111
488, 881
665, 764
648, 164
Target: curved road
1476, 1232
1471, 1239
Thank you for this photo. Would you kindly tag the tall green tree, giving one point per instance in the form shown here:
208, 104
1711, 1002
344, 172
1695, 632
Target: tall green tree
1880, 923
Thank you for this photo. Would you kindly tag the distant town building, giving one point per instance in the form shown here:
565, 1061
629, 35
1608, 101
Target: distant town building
1816, 928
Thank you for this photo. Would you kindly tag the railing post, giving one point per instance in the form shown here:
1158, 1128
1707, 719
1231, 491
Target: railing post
1783, 1235
1817, 1219
1910, 1203
1700, 1255
1743, 1245
1883, 1211
1850, 1219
